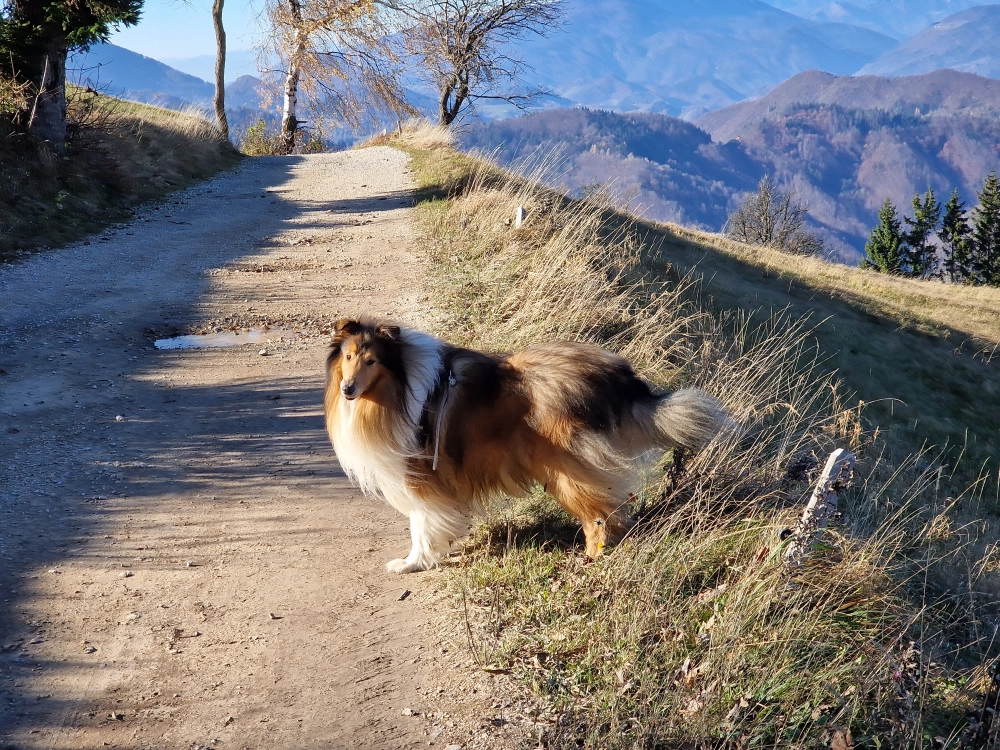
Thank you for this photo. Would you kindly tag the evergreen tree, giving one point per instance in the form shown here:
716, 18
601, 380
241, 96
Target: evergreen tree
956, 243
986, 233
884, 249
35, 37
920, 254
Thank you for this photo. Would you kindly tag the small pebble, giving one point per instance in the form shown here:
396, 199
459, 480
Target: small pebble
126, 574
409, 712
263, 352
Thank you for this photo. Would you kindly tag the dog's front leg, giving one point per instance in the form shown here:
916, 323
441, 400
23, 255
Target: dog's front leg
422, 553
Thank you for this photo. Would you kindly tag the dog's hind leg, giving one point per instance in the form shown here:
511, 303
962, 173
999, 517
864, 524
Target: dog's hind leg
604, 518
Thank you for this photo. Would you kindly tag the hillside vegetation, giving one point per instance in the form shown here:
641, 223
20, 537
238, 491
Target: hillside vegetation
693, 632
121, 154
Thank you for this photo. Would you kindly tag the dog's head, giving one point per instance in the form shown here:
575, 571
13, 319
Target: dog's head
366, 353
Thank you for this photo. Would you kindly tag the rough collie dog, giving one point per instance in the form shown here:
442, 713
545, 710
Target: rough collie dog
438, 430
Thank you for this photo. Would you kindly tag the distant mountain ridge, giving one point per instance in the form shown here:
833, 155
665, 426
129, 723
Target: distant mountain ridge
966, 41
846, 144
120, 72
841, 160
896, 18
687, 57
946, 91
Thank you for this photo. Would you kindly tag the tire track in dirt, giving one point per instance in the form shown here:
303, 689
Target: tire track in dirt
182, 564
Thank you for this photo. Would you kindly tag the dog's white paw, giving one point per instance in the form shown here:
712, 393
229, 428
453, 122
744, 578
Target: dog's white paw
404, 566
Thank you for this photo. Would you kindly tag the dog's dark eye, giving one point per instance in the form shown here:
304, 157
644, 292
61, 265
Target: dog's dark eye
348, 357
370, 362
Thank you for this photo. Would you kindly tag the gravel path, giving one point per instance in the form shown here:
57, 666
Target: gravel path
182, 564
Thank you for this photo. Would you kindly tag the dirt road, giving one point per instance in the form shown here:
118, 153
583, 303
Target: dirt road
182, 564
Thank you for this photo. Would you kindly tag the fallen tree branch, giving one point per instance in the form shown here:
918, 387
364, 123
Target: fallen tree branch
836, 477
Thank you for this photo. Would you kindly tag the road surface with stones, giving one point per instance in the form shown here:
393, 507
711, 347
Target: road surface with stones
182, 563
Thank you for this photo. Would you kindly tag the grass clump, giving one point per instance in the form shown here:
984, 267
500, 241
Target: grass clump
693, 632
120, 154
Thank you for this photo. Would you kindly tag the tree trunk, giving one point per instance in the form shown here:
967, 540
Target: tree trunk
444, 111
47, 120
453, 96
289, 118
220, 69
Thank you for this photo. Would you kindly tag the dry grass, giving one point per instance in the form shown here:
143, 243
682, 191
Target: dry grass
121, 154
415, 134
692, 633
949, 311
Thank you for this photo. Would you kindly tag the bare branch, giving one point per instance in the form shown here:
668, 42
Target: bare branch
463, 47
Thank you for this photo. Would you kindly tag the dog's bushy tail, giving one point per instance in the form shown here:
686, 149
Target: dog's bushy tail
690, 418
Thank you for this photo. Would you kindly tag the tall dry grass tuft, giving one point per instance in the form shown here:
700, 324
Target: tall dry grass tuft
693, 632
418, 133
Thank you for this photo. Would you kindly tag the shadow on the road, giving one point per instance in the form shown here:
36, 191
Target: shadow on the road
70, 472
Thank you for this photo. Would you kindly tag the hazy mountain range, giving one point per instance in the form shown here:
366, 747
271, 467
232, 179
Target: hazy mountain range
120, 72
844, 144
686, 57
896, 18
966, 41
680, 57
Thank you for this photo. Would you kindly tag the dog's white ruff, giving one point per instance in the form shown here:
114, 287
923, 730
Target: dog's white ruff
381, 469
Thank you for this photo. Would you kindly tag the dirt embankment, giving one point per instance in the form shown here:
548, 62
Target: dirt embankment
182, 564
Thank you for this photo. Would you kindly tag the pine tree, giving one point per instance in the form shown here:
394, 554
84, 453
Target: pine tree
956, 243
35, 37
884, 249
986, 233
920, 255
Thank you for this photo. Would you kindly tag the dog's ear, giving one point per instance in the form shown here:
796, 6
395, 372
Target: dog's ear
388, 332
346, 327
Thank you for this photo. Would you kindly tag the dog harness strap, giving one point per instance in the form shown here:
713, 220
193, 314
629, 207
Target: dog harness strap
440, 419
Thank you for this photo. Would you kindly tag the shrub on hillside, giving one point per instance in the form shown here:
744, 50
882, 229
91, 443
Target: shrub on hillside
771, 218
260, 139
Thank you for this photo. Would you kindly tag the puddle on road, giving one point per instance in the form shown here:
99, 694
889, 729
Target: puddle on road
225, 338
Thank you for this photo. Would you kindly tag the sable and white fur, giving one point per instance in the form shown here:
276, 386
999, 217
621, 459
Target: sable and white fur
570, 416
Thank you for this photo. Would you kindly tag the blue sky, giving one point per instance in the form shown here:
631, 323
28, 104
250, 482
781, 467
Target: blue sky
180, 34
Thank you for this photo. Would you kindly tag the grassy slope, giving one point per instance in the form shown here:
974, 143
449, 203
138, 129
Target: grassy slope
917, 353
121, 154
692, 633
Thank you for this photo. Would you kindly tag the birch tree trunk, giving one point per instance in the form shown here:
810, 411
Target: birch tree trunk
289, 118
220, 69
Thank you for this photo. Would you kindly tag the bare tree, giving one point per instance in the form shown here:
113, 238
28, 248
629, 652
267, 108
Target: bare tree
465, 47
772, 218
220, 68
340, 55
